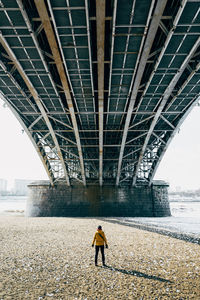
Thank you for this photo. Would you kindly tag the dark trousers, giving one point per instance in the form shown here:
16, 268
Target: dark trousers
97, 252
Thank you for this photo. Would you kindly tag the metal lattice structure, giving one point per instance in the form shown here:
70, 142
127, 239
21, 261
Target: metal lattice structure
100, 87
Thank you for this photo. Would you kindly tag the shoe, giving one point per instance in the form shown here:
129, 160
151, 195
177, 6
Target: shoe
104, 265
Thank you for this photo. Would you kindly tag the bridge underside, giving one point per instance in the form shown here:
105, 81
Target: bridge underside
100, 87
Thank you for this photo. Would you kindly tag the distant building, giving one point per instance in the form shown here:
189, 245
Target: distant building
3, 185
20, 187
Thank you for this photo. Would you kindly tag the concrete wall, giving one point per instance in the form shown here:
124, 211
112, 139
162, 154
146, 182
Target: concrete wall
93, 201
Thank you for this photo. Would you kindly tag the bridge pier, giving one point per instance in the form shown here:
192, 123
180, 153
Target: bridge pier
95, 201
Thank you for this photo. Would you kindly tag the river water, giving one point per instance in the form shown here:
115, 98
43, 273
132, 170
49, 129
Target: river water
185, 218
185, 214
12, 205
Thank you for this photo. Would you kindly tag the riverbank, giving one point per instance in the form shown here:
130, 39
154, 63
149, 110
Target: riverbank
182, 228
52, 258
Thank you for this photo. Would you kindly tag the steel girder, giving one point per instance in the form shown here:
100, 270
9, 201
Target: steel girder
100, 23
45, 19
169, 92
138, 76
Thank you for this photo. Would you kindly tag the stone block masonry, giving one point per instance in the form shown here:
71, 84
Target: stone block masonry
95, 201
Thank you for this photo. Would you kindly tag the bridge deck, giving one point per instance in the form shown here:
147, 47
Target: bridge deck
100, 87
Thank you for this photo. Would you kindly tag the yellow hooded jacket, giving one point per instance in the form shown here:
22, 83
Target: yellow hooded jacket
98, 238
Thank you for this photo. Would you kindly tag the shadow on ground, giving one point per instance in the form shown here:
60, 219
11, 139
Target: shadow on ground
137, 274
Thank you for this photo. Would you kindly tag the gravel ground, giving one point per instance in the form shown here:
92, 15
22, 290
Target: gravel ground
52, 258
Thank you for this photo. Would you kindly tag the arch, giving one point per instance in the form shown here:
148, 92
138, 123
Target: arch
100, 88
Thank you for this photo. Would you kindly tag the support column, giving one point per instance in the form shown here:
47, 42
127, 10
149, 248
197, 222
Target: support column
95, 201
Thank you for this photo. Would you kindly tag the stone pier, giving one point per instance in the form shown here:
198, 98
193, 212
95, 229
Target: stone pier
95, 201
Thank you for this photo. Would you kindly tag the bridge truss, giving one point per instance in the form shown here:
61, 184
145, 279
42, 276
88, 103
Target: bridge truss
100, 87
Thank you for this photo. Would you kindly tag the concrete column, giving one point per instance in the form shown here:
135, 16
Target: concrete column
95, 201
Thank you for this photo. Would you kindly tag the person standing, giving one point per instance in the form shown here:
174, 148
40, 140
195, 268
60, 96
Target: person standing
100, 240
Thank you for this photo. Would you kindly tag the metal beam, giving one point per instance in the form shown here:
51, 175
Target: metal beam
56, 120
108, 130
18, 87
100, 25
90, 53
143, 59
105, 113
162, 52
111, 54
45, 19
132, 152
36, 98
159, 138
186, 83
162, 104
35, 122
42, 139
122, 74
33, 35
66, 139
140, 122
137, 137
133, 162
166, 121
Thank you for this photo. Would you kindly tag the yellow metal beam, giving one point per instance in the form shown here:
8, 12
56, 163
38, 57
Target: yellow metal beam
100, 23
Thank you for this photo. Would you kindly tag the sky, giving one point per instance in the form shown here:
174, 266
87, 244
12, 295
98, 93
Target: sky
180, 166
18, 157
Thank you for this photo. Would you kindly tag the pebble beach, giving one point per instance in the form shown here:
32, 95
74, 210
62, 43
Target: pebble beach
52, 258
